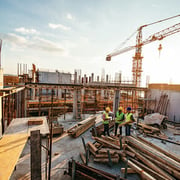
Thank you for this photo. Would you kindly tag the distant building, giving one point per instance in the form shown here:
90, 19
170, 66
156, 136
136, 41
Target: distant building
54, 77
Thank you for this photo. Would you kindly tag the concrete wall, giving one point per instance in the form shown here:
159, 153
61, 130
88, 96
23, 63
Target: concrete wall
173, 110
54, 77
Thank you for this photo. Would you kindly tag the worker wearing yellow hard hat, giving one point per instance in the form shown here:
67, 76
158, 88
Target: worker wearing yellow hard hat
119, 118
106, 120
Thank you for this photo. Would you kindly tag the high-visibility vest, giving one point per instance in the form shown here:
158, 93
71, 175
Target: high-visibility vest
119, 117
105, 116
128, 118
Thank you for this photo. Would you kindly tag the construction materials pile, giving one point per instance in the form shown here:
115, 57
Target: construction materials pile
142, 157
82, 126
83, 172
150, 161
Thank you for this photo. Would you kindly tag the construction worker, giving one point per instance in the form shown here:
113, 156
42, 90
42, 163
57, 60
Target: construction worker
128, 122
119, 118
106, 120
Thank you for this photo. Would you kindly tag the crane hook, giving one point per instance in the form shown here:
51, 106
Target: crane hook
159, 49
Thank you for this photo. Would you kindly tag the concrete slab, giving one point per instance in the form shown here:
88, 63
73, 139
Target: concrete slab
65, 148
20, 125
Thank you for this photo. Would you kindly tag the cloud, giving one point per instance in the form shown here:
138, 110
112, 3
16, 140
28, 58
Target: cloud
69, 16
14, 39
46, 45
23, 30
60, 26
33, 43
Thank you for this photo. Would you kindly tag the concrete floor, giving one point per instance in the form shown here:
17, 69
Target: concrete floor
65, 148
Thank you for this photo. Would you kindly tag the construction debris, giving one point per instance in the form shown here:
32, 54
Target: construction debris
81, 127
83, 172
154, 161
148, 160
148, 129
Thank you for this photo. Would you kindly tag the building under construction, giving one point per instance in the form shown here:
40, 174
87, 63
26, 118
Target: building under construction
51, 123
32, 96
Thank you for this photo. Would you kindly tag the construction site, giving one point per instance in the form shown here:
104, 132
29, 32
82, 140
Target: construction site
52, 125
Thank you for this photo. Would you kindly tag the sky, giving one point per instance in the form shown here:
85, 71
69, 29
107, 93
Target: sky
65, 35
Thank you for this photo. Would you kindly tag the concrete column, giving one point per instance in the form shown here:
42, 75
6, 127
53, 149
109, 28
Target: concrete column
102, 94
74, 104
77, 104
59, 93
116, 100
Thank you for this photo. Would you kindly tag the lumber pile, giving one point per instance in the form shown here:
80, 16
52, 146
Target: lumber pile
81, 127
81, 171
156, 133
141, 156
105, 150
100, 129
144, 128
150, 161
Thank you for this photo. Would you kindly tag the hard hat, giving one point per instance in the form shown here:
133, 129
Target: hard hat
128, 108
107, 109
120, 108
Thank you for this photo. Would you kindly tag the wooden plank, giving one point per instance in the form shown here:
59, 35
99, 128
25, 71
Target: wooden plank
165, 139
129, 170
153, 129
154, 153
129, 153
83, 158
92, 146
35, 122
149, 170
141, 172
106, 160
106, 156
149, 163
11, 147
77, 130
169, 154
112, 151
106, 143
168, 169
35, 140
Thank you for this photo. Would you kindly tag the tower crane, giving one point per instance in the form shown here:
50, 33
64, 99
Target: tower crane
137, 59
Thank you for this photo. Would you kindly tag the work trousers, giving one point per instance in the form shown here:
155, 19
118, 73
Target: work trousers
120, 129
128, 129
106, 129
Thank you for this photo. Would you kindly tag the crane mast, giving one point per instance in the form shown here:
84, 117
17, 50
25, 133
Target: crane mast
137, 59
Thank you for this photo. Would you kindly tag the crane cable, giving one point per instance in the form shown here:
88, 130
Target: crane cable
123, 43
162, 20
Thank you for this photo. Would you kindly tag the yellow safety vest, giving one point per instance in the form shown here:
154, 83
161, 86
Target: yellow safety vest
106, 117
128, 118
119, 117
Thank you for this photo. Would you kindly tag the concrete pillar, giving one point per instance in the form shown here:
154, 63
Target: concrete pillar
77, 104
116, 100
102, 94
92, 77
107, 78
